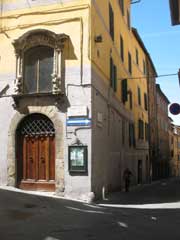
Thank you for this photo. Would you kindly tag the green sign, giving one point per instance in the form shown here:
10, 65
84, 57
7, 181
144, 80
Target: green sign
78, 158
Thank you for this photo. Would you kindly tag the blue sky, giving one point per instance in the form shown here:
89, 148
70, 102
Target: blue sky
162, 40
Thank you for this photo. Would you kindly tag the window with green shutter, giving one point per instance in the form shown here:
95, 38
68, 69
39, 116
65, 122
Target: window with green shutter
139, 95
122, 48
145, 102
115, 79
131, 135
128, 20
129, 63
140, 129
111, 65
111, 21
144, 67
113, 75
146, 131
130, 100
137, 57
124, 90
121, 4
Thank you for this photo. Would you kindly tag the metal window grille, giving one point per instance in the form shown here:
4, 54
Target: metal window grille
41, 126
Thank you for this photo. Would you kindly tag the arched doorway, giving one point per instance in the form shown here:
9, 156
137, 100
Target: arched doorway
35, 145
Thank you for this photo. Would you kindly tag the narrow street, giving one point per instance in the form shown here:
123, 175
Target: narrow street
25, 216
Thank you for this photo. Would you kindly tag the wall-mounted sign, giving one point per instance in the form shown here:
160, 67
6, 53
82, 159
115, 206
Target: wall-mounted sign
78, 158
77, 111
78, 122
174, 108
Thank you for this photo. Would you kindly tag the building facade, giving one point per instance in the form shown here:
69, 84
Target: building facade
74, 93
174, 141
163, 160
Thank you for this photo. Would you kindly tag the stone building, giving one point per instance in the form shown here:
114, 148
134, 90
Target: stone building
73, 90
174, 142
163, 161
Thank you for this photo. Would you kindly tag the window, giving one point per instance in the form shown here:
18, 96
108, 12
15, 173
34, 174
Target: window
111, 71
122, 48
139, 96
111, 22
113, 75
144, 67
131, 135
38, 62
115, 79
137, 57
129, 63
124, 90
123, 131
121, 4
172, 153
140, 129
128, 20
38, 67
146, 131
145, 102
130, 100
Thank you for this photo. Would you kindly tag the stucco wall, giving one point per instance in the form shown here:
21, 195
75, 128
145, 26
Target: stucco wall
76, 76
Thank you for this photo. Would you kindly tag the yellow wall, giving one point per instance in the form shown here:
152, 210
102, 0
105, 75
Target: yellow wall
108, 48
71, 18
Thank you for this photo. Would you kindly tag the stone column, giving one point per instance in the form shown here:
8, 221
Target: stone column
19, 70
56, 76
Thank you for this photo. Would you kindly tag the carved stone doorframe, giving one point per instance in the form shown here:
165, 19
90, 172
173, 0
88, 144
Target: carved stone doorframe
51, 113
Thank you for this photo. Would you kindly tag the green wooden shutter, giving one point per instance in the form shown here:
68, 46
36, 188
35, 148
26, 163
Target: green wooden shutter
111, 65
115, 78
124, 90
111, 22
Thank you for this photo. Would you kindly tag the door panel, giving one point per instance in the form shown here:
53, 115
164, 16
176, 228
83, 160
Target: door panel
43, 158
30, 156
38, 163
36, 153
51, 158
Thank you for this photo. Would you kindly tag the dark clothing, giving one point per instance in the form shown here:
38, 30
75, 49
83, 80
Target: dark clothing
127, 178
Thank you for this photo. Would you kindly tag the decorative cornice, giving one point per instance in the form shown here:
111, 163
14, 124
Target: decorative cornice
39, 37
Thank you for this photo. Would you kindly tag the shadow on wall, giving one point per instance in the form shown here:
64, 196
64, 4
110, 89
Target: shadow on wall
69, 53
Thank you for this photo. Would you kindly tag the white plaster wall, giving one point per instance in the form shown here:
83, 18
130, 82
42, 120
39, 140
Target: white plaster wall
109, 156
5, 119
77, 93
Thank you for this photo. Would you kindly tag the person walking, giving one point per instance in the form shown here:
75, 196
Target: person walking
127, 178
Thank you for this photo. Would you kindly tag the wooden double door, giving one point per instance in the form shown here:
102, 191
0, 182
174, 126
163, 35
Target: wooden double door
36, 162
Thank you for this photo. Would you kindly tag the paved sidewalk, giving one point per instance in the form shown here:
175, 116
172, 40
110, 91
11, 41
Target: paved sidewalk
164, 191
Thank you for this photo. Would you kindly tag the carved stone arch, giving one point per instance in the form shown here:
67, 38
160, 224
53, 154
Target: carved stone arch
51, 113
34, 38
39, 37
